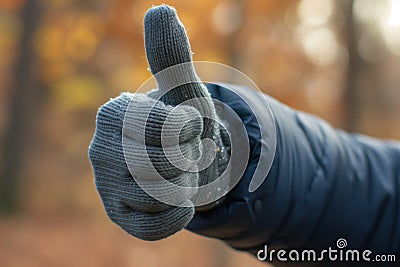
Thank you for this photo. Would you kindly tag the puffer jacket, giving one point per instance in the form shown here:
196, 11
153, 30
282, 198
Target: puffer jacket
322, 184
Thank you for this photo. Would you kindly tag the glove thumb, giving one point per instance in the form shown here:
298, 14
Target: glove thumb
167, 45
170, 59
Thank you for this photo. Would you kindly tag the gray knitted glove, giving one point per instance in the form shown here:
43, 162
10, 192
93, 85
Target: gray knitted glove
167, 45
124, 200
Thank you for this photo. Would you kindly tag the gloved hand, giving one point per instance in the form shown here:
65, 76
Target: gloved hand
125, 202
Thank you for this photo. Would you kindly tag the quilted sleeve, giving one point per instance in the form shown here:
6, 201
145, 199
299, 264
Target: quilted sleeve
324, 184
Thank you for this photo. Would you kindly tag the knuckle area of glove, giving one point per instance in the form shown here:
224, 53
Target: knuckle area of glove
161, 127
124, 192
153, 226
168, 161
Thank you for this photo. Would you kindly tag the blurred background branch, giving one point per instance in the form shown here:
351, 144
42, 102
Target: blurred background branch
351, 96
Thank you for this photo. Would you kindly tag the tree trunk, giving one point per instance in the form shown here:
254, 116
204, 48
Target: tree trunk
352, 95
22, 104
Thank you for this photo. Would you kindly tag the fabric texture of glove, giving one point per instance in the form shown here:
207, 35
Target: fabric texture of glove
170, 59
125, 202
123, 122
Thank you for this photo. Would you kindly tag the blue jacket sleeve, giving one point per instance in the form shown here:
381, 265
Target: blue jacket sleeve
324, 184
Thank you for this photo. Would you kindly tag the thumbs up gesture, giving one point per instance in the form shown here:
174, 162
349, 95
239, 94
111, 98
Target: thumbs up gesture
172, 133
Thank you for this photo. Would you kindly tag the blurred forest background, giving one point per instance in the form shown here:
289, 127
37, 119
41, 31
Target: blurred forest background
61, 59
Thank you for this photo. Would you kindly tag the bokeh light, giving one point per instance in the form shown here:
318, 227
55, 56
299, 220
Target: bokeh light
391, 28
